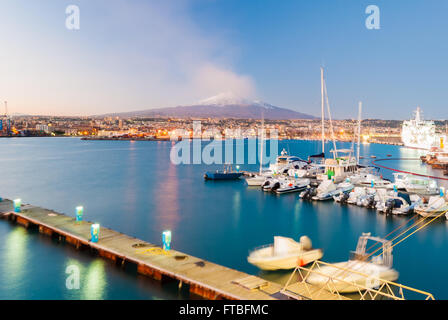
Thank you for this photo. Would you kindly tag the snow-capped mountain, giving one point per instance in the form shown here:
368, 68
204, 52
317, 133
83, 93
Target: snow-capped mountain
224, 105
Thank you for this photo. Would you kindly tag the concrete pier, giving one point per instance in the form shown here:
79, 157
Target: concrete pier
204, 278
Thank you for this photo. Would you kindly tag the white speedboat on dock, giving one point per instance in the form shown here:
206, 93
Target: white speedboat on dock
284, 253
362, 270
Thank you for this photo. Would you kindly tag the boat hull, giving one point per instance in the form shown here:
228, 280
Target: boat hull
222, 176
286, 262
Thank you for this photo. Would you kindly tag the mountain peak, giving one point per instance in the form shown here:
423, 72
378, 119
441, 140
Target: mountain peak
225, 98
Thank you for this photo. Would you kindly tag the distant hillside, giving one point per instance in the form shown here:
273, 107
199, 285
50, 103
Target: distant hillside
224, 105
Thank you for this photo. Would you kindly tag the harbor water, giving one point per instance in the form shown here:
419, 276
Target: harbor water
132, 187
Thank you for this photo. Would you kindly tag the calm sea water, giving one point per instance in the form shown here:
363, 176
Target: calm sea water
132, 187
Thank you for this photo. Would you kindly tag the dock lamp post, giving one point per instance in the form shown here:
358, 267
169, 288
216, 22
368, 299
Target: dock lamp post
95, 232
79, 213
166, 240
17, 204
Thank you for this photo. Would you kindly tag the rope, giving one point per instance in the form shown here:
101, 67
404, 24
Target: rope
407, 172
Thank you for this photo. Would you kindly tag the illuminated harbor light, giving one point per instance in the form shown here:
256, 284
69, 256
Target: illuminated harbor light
166, 240
95, 232
79, 213
17, 204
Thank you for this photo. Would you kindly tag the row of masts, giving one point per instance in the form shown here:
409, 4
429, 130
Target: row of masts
324, 99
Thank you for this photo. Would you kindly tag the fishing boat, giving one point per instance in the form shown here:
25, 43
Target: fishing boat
226, 174
291, 185
362, 269
339, 168
284, 253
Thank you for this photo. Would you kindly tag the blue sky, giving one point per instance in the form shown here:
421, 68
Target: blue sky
132, 55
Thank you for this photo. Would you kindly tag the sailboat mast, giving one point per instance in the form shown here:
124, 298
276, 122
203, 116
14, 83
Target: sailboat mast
359, 130
322, 107
262, 144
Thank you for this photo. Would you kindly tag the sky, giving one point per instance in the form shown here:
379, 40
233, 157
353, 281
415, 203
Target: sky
140, 54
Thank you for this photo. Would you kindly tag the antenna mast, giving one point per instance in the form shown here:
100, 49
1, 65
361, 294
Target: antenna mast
359, 130
322, 107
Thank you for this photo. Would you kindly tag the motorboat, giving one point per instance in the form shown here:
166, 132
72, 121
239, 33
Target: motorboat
327, 189
400, 181
373, 180
435, 206
399, 204
291, 185
285, 162
273, 182
369, 199
258, 179
423, 186
284, 253
362, 271
226, 174
309, 171
355, 194
308, 193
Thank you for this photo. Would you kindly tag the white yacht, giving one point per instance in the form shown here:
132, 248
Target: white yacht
285, 162
284, 253
423, 186
362, 269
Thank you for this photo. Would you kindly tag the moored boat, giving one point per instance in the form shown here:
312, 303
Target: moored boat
361, 270
284, 253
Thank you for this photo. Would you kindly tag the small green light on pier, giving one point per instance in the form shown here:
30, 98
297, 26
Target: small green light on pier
95, 232
17, 204
166, 239
79, 213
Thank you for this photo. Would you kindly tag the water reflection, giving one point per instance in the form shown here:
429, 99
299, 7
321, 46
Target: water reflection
94, 281
167, 199
14, 271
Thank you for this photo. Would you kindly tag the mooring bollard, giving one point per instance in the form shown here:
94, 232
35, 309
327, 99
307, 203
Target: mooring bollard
166, 239
17, 204
95, 232
79, 213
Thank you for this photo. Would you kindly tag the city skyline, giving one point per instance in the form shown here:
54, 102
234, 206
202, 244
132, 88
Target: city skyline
128, 57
